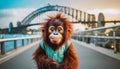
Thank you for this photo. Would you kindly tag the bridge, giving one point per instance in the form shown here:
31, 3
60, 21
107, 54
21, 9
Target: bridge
77, 16
98, 47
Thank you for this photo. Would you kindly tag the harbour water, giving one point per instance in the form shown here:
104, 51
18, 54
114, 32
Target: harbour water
10, 44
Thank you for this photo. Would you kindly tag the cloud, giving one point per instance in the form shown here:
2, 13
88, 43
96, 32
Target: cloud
13, 15
105, 11
110, 14
3, 13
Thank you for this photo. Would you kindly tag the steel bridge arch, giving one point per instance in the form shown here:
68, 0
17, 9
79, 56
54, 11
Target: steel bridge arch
67, 10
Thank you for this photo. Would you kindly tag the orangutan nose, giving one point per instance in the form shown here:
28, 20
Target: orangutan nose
55, 32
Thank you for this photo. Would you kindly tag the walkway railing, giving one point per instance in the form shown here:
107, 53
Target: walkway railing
98, 36
28, 38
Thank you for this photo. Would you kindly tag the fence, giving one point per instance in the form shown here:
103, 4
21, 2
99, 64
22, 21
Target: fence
2, 42
98, 36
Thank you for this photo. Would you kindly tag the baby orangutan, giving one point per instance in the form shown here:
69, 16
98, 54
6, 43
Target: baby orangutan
56, 50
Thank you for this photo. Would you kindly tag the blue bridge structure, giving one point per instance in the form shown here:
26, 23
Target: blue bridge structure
77, 16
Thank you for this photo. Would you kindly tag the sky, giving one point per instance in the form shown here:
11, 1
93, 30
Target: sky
16, 10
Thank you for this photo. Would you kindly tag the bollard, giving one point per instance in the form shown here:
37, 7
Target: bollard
15, 44
115, 48
27, 41
31, 40
114, 42
2, 48
22, 42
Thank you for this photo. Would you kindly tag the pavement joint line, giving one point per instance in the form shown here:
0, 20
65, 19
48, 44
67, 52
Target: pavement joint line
107, 52
16, 52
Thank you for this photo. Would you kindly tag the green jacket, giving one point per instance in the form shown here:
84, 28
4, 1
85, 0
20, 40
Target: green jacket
57, 55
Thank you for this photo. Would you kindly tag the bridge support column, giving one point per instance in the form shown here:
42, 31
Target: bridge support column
88, 20
77, 14
84, 16
93, 25
72, 15
80, 16
68, 11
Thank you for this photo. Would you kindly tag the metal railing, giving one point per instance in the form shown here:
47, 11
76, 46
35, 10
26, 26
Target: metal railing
95, 35
2, 42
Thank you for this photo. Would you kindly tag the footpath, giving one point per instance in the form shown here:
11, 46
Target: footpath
13, 53
108, 52
90, 57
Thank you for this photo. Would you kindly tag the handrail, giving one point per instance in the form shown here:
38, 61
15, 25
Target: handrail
108, 37
86, 37
18, 38
2, 41
102, 28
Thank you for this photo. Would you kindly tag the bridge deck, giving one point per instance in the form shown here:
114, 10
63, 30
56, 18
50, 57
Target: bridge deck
88, 58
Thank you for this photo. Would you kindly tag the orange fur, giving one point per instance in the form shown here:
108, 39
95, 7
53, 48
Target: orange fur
70, 60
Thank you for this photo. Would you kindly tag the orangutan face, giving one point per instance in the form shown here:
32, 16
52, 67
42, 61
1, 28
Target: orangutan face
56, 34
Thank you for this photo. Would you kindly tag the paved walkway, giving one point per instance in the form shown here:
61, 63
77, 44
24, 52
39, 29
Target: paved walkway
108, 52
15, 52
88, 59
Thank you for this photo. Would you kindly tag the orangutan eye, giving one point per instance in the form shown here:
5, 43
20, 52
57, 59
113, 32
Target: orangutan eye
51, 29
60, 29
